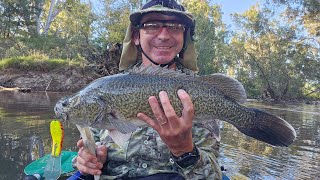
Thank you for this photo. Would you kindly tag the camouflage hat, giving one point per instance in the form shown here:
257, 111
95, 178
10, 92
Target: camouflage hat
169, 7
187, 57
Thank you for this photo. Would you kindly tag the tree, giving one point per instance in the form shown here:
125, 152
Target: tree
19, 18
116, 18
56, 6
210, 35
306, 12
275, 52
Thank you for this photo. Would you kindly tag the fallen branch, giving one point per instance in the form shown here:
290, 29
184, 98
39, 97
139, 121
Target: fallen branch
314, 91
24, 90
48, 85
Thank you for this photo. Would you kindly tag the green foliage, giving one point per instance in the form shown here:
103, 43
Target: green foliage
210, 35
116, 30
304, 12
19, 18
37, 62
276, 53
117, 19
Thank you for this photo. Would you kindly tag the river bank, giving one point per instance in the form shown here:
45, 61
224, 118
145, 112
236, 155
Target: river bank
71, 79
66, 79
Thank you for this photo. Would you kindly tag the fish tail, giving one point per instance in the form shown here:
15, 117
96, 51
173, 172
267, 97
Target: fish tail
270, 129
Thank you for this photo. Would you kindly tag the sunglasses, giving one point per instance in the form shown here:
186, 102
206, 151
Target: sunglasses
155, 27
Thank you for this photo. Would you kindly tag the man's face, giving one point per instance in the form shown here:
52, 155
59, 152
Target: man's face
160, 44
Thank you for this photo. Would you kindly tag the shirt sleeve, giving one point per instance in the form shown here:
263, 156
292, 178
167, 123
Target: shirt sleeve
207, 166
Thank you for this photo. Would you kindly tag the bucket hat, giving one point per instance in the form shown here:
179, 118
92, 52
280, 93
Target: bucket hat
188, 55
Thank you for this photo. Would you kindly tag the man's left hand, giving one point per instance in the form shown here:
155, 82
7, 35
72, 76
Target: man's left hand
175, 132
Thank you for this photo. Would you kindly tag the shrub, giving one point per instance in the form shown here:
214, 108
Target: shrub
36, 62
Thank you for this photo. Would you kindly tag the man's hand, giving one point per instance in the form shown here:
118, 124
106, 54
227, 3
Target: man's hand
89, 164
175, 132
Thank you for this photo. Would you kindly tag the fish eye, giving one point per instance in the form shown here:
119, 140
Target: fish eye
64, 103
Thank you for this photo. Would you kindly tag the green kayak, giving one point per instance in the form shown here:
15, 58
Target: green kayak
37, 166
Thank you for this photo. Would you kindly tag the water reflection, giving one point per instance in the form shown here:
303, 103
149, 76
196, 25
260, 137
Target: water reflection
25, 132
246, 158
25, 136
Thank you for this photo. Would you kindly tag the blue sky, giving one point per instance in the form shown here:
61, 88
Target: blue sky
227, 6
233, 6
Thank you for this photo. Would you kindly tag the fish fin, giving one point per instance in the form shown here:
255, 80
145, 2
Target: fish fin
89, 142
270, 129
227, 85
214, 127
88, 139
119, 138
157, 70
123, 126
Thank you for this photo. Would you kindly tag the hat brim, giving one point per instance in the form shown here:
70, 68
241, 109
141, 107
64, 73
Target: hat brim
187, 18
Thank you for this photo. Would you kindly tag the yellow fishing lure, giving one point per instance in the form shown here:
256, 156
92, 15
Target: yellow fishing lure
57, 134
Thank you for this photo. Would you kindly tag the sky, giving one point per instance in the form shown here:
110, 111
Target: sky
233, 6
227, 7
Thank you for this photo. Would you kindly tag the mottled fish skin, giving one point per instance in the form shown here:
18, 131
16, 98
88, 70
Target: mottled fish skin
113, 102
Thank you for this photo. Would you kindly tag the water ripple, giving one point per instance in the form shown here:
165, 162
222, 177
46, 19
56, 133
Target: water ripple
283, 164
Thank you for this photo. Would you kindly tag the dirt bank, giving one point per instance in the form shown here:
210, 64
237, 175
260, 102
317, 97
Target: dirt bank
68, 79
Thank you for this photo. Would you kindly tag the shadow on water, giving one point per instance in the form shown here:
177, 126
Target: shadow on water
25, 136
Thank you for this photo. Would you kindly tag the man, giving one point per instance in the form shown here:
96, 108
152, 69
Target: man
172, 147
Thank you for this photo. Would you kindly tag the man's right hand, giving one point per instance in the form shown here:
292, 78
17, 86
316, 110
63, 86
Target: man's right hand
87, 163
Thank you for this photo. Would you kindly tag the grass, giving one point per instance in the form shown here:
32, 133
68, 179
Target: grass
37, 62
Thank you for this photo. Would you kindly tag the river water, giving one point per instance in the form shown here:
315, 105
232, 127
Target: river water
25, 136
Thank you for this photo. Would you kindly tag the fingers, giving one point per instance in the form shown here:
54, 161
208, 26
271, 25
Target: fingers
169, 112
102, 153
158, 114
88, 163
175, 132
188, 109
80, 143
165, 114
166, 104
157, 110
148, 120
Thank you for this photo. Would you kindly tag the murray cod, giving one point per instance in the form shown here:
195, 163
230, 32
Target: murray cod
113, 102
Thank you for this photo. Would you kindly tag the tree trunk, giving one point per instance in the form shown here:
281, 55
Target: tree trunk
285, 91
272, 93
38, 18
53, 12
49, 18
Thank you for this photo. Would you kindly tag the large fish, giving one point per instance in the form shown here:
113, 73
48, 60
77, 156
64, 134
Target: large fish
113, 102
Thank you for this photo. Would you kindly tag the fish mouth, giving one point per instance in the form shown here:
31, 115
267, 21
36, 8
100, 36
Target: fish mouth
59, 114
63, 117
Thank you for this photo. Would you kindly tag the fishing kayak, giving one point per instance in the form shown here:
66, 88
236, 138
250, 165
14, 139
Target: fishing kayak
36, 168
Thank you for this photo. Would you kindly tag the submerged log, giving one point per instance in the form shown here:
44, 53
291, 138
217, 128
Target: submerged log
23, 90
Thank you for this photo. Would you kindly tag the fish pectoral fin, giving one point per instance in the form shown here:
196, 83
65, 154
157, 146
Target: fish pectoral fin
119, 138
123, 126
88, 139
214, 127
227, 85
